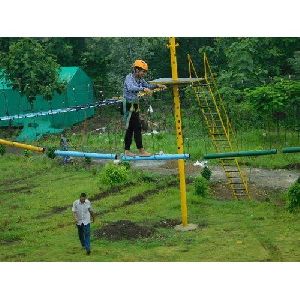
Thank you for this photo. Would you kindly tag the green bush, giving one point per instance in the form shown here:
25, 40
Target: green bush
293, 201
50, 152
206, 173
126, 164
113, 175
26, 153
148, 177
201, 186
2, 150
87, 160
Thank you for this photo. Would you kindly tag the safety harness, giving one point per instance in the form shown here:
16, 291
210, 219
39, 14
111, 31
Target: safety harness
127, 114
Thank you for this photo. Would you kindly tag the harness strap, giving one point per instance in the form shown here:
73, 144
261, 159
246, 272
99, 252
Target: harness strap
127, 114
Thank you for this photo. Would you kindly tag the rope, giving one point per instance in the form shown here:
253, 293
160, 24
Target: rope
60, 110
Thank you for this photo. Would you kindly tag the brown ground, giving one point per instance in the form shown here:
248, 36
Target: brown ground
123, 229
261, 178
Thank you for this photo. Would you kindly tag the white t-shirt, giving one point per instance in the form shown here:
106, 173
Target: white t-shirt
82, 211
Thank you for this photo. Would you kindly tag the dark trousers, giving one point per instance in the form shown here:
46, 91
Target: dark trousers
84, 233
134, 129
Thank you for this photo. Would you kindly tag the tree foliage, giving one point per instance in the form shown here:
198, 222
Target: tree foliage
277, 96
295, 63
259, 74
31, 70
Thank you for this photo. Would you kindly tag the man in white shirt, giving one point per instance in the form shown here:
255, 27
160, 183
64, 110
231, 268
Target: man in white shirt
82, 212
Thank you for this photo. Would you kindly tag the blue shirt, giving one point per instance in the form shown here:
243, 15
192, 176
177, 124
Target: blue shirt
133, 85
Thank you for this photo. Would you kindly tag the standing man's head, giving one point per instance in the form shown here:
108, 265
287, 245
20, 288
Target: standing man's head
140, 68
82, 197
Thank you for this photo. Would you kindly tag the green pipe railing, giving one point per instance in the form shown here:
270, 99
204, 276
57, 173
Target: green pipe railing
291, 150
240, 153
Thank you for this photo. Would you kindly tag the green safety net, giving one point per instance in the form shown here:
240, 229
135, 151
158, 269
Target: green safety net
78, 91
32, 131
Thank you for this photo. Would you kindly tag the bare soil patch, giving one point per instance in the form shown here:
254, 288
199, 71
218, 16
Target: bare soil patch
22, 189
123, 229
222, 192
295, 166
10, 241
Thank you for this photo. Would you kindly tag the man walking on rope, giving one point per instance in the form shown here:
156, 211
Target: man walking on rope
82, 212
134, 83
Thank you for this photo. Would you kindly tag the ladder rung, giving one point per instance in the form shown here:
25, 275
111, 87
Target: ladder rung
221, 140
207, 106
232, 177
218, 134
236, 183
212, 113
239, 189
232, 171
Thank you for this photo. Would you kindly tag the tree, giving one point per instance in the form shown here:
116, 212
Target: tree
275, 99
190, 45
295, 63
30, 70
60, 49
5, 42
67, 50
124, 51
95, 61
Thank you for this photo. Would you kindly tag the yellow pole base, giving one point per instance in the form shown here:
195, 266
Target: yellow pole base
188, 227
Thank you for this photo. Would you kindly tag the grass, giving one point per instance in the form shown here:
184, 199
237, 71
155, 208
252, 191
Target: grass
37, 225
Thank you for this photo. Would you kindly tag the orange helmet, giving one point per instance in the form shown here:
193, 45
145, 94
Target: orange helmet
140, 64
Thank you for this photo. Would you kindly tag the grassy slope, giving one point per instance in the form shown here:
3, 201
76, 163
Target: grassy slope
34, 188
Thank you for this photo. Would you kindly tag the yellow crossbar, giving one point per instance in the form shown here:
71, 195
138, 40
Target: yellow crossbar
23, 146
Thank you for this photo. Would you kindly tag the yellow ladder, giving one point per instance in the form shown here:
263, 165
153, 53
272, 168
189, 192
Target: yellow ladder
219, 129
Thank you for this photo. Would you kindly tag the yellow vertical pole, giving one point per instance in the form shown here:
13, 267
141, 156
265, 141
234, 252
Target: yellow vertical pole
172, 46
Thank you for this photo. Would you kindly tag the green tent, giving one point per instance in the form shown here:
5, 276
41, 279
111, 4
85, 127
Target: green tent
78, 91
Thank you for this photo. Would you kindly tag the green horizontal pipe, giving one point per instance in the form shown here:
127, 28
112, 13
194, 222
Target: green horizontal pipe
291, 150
240, 153
156, 157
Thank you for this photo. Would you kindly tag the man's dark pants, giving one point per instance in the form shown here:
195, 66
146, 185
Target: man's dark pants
84, 232
134, 129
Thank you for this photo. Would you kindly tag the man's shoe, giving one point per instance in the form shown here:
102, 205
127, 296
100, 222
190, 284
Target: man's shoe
128, 153
88, 252
144, 153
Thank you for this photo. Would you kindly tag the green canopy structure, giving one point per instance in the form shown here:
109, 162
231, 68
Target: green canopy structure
78, 91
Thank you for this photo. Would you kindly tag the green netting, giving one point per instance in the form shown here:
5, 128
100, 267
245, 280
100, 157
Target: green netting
33, 130
79, 91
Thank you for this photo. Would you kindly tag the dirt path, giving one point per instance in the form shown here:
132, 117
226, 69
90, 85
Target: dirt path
272, 179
